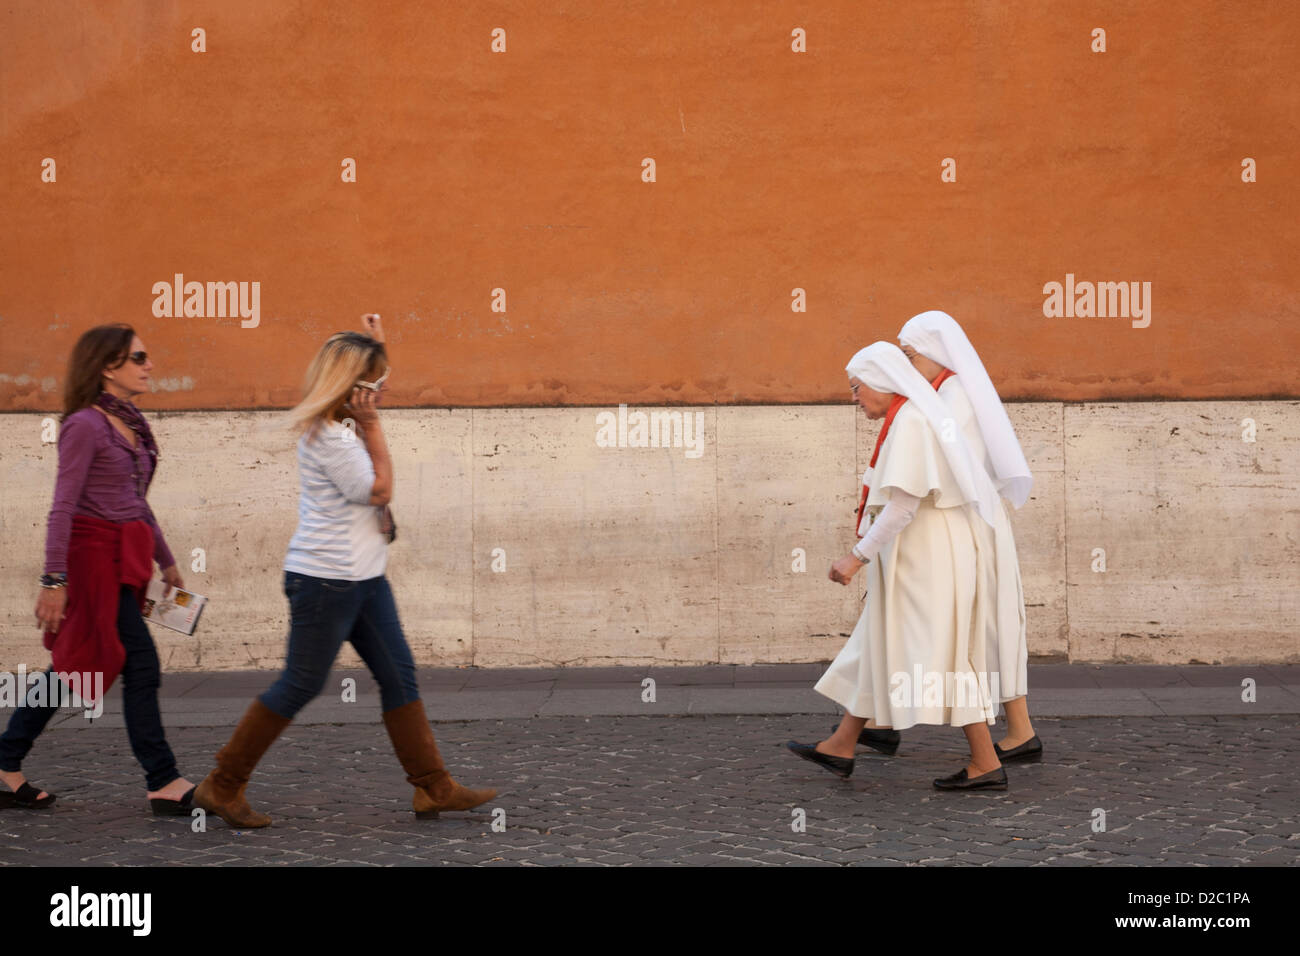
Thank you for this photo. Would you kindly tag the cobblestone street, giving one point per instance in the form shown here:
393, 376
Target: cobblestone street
708, 789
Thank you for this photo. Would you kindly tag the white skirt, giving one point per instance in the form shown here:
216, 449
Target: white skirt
1010, 651
920, 653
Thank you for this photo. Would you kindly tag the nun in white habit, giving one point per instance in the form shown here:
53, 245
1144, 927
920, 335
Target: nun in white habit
918, 652
936, 344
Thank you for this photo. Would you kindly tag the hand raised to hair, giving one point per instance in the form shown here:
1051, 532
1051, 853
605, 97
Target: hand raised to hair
372, 326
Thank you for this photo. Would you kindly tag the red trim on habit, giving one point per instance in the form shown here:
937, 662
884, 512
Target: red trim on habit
894, 406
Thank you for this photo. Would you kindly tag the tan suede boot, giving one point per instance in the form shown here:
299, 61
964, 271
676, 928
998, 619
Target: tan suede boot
222, 791
412, 738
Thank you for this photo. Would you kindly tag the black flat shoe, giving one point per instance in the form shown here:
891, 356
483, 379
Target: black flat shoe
162, 807
886, 741
842, 767
1031, 751
993, 780
25, 797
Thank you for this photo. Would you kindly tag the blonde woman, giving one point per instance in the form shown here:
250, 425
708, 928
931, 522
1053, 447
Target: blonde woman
334, 580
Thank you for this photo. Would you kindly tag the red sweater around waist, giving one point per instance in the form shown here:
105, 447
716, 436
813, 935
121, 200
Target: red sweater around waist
102, 556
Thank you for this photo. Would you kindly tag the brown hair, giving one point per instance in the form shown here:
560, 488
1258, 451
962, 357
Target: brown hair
104, 346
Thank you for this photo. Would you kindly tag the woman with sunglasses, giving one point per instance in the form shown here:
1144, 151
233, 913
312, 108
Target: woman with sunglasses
101, 540
334, 580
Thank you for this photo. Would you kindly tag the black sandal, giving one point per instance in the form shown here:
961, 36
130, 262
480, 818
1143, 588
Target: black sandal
162, 807
25, 797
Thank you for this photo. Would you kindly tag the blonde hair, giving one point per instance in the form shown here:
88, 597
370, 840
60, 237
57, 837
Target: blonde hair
344, 359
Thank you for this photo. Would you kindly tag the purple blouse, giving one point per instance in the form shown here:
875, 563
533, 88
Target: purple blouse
96, 465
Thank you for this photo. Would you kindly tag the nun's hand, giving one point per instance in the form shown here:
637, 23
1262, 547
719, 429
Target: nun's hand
842, 571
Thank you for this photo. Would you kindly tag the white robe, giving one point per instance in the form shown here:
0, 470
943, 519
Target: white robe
918, 654
1009, 647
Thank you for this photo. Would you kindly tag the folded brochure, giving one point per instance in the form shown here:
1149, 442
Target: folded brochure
179, 610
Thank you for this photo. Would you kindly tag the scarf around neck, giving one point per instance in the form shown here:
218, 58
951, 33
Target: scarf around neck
134, 420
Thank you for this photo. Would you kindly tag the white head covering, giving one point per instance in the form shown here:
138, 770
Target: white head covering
883, 366
938, 337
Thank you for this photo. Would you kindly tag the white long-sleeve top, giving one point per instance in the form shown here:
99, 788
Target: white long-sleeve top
893, 518
338, 534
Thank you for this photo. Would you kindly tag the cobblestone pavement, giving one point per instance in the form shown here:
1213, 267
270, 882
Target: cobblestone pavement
712, 789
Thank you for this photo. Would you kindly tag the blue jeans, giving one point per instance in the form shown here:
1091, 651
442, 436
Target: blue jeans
141, 678
323, 613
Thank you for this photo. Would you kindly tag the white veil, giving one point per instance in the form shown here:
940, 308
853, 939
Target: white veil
883, 366
938, 337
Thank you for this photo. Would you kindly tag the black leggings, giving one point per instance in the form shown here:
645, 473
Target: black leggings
141, 677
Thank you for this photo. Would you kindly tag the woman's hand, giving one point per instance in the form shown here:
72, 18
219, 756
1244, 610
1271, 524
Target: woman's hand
50, 608
172, 578
842, 571
362, 405
373, 328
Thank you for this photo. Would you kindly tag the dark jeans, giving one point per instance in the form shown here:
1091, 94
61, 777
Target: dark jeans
141, 677
323, 613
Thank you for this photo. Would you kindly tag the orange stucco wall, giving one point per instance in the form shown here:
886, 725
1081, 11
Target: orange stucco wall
775, 170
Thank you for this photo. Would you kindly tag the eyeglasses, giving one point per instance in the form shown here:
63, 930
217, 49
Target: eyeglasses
139, 358
854, 388
375, 385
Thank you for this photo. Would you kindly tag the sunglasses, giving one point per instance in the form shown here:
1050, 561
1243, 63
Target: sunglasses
375, 385
139, 358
